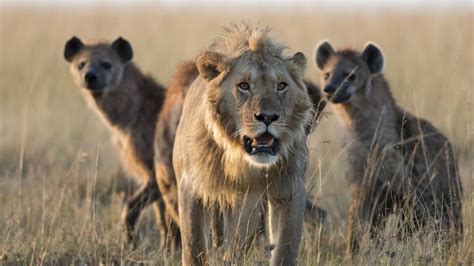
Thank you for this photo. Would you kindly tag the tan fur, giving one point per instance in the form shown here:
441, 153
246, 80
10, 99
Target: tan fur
211, 164
396, 161
164, 139
165, 134
129, 104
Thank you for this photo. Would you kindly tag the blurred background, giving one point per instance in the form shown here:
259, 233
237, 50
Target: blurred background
61, 184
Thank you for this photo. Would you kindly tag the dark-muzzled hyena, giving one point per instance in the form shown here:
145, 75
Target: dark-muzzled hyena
396, 161
129, 102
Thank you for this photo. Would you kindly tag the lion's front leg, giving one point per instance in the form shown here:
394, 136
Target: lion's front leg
286, 222
194, 226
241, 224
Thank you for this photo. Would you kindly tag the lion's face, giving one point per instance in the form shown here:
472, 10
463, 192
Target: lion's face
260, 103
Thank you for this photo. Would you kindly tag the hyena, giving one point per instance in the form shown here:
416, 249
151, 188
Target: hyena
129, 102
396, 161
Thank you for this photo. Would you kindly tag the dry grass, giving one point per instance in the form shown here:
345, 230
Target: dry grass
61, 190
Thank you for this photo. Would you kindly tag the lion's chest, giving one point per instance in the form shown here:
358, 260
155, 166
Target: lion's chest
215, 186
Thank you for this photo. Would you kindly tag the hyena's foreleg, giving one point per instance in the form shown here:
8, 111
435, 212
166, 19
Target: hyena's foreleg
141, 199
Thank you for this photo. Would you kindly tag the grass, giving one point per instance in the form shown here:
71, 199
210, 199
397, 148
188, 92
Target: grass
61, 187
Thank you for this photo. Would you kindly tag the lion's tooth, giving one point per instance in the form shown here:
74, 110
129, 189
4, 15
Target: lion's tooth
270, 143
263, 141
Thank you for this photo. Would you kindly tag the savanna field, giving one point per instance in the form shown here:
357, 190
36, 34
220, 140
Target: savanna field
61, 184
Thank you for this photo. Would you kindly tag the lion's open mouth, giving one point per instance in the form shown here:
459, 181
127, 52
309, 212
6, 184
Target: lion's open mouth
264, 143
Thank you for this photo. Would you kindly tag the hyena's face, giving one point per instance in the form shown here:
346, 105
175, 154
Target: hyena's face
344, 74
97, 67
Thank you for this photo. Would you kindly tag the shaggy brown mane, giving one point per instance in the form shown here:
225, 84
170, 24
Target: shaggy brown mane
239, 38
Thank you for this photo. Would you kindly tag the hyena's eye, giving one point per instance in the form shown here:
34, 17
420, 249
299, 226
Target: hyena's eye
81, 65
106, 65
326, 76
351, 77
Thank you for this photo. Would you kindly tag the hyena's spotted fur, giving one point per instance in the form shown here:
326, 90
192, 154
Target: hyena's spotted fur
396, 161
129, 103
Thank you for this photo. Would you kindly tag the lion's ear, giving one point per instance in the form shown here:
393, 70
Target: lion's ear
210, 64
299, 60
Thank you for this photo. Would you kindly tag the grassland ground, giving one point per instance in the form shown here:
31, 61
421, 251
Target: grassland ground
61, 187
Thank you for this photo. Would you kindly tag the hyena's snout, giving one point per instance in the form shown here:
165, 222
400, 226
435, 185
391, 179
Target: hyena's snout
329, 90
93, 81
90, 78
337, 93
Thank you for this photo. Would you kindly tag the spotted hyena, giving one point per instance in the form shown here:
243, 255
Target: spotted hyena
129, 103
396, 161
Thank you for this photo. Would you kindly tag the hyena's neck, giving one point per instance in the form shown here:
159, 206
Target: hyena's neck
135, 102
371, 113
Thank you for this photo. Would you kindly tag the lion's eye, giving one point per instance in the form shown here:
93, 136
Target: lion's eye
326, 76
106, 65
81, 65
282, 86
243, 86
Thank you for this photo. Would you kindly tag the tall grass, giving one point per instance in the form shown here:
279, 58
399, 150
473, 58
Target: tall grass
61, 187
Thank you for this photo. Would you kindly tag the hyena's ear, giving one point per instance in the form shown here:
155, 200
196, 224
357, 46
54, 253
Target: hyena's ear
323, 52
373, 57
72, 47
210, 64
123, 49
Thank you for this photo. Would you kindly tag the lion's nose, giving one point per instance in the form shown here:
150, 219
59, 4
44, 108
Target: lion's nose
266, 118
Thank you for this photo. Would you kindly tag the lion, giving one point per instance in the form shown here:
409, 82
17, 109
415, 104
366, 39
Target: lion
164, 138
242, 139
